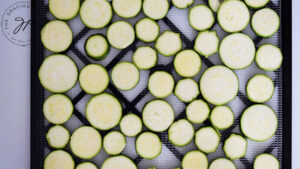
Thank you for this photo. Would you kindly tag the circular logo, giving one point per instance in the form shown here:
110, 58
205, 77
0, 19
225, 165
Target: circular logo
16, 23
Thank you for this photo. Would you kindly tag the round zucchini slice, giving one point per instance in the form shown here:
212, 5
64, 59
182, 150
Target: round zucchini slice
222, 117
168, 43
86, 165
161, 84
233, 16
95, 14
266, 161
268, 57
201, 17
235, 146
158, 115
210, 86
194, 159
127, 8
64, 10
56, 36
59, 159
96, 47
144, 57
86, 142
58, 73
93, 79
114, 142
156, 9
182, 4
265, 22
148, 145
260, 88
214, 5
197, 111
187, 63
186, 90
222, 163
131, 125
120, 34
104, 111
125, 75
255, 4
207, 43
207, 139
259, 122
237, 51
119, 161
147, 30
58, 136
58, 109
181, 133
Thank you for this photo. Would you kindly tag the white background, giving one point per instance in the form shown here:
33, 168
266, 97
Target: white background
15, 98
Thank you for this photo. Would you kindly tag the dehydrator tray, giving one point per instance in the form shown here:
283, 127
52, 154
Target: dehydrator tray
134, 100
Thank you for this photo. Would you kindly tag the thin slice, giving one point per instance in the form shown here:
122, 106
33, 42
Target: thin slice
58, 136
156, 9
131, 125
222, 163
219, 85
222, 117
147, 30
268, 57
186, 90
266, 161
235, 146
207, 139
64, 9
201, 17
257, 3
96, 47
181, 133
187, 63
168, 43
259, 122
119, 161
114, 142
194, 160
144, 57
104, 111
197, 111
59, 159
125, 75
127, 8
161, 84
182, 4
214, 5
158, 115
207, 43
148, 145
86, 165
120, 34
260, 88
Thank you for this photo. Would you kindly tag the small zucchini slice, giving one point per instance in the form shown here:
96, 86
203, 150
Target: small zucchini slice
120, 34
144, 57
59, 159
187, 63
194, 159
197, 111
268, 57
222, 163
58, 136
266, 161
260, 88
127, 8
148, 145
131, 125
182, 4
125, 75
86, 165
168, 43
156, 9
201, 17
96, 47
161, 84
147, 30
114, 142
64, 10
119, 161
235, 146
222, 117
207, 139
181, 133
186, 90
207, 43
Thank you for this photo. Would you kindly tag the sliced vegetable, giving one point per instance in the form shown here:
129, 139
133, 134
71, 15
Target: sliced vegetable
114, 142
168, 43
148, 145
161, 84
207, 43
214, 5
120, 34
59, 159
125, 75
86, 165
260, 88
156, 9
186, 90
201, 17
257, 3
119, 161
235, 146
96, 47
58, 136
181, 133
187, 63
266, 161
64, 10
144, 57
268, 57
131, 125
197, 111
181, 4
147, 30
194, 159
127, 8
222, 117
222, 163
207, 139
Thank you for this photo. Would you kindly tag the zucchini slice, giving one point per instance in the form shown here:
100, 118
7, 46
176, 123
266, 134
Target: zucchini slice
222, 163
152, 167
147, 30
58, 109
114, 142
58, 73
156, 9
219, 85
233, 16
207, 139
201, 17
144, 57
95, 14
266, 161
148, 145
186, 90
127, 8
158, 115
96, 47
168, 43
86, 165
86, 142
131, 125
214, 5
197, 111
207, 43
181, 133
182, 4
58, 136
125, 75
161, 84
235, 146
104, 111
59, 159
56, 36
237, 51
93, 79
222, 117
260, 88
259, 122
119, 161
120, 34
194, 160
255, 4
268, 57
64, 10
265, 22
187, 63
